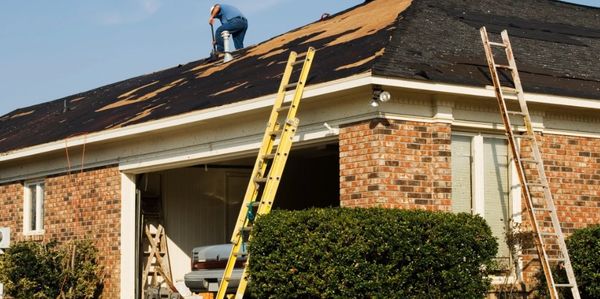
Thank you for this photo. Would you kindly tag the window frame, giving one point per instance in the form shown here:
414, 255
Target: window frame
514, 192
40, 187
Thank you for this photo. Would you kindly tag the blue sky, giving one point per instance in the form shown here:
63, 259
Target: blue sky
52, 49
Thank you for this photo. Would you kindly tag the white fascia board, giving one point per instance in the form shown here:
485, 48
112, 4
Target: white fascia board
485, 92
185, 119
357, 81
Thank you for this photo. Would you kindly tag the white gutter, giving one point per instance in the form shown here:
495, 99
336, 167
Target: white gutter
357, 81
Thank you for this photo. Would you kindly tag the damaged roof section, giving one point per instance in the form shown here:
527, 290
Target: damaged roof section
347, 44
556, 46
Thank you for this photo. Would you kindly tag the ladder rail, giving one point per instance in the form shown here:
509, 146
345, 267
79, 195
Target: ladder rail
285, 144
526, 192
539, 243
549, 200
259, 169
272, 157
268, 140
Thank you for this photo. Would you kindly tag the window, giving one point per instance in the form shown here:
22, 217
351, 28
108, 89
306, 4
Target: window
484, 183
33, 208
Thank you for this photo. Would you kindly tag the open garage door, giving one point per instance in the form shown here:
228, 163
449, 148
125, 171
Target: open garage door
198, 205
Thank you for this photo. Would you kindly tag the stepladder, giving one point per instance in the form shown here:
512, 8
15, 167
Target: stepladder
536, 191
270, 163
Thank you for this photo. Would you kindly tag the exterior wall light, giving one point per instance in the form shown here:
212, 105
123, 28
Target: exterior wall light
379, 96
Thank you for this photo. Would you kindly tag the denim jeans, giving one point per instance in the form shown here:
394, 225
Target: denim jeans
237, 28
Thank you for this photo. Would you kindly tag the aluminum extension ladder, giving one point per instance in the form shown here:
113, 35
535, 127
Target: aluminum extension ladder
270, 162
538, 207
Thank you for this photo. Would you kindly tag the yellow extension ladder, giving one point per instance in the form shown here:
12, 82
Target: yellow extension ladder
270, 162
534, 187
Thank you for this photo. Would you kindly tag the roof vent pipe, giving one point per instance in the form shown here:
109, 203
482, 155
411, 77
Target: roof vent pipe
227, 57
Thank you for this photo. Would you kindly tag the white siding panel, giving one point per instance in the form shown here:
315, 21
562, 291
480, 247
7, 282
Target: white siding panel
195, 207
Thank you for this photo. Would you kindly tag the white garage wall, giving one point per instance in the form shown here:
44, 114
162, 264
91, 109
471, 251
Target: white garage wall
195, 209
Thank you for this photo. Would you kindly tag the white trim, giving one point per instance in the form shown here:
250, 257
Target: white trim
183, 119
348, 83
515, 187
517, 217
203, 153
128, 228
478, 175
485, 92
39, 201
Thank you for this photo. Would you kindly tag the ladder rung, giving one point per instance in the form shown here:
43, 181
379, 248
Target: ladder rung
530, 161
556, 259
563, 285
503, 66
537, 185
260, 180
542, 210
548, 234
269, 156
276, 132
525, 137
516, 113
509, 90
497, 44
255, 204
291, 85
298, 62
284, 108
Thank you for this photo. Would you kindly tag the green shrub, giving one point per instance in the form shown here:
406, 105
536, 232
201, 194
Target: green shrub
584, 251
30, 270
358, 253
36, 270
81, 276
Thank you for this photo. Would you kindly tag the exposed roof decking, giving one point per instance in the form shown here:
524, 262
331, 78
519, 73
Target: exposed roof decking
342, 41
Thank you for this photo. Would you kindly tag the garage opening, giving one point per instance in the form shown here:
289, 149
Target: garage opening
198, 205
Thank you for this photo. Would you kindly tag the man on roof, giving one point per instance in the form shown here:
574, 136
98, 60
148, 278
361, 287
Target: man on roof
232, 20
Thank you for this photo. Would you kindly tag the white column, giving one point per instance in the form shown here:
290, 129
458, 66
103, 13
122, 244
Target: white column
127, 236
39, 207
478, 175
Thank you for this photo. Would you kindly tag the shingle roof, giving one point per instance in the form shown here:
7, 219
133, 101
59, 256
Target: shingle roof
556, 46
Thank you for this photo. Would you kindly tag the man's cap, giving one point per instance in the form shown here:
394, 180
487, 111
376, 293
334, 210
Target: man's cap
212, 7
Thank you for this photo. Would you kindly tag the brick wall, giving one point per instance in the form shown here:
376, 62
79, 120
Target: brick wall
572, 165
395, 164
405, 164
80, 205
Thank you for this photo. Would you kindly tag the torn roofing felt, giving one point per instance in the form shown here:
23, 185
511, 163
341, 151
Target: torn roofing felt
556, 46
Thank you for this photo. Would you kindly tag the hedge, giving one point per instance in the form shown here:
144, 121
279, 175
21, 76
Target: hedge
381, 253
37, 270
584, 251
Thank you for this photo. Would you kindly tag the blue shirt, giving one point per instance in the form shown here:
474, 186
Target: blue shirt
227, 13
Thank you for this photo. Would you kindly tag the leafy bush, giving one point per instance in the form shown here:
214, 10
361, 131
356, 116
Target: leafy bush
584, 251
36, 270
357, 253
81, 276
30, 270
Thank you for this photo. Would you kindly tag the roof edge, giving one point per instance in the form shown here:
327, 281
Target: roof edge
347, 83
